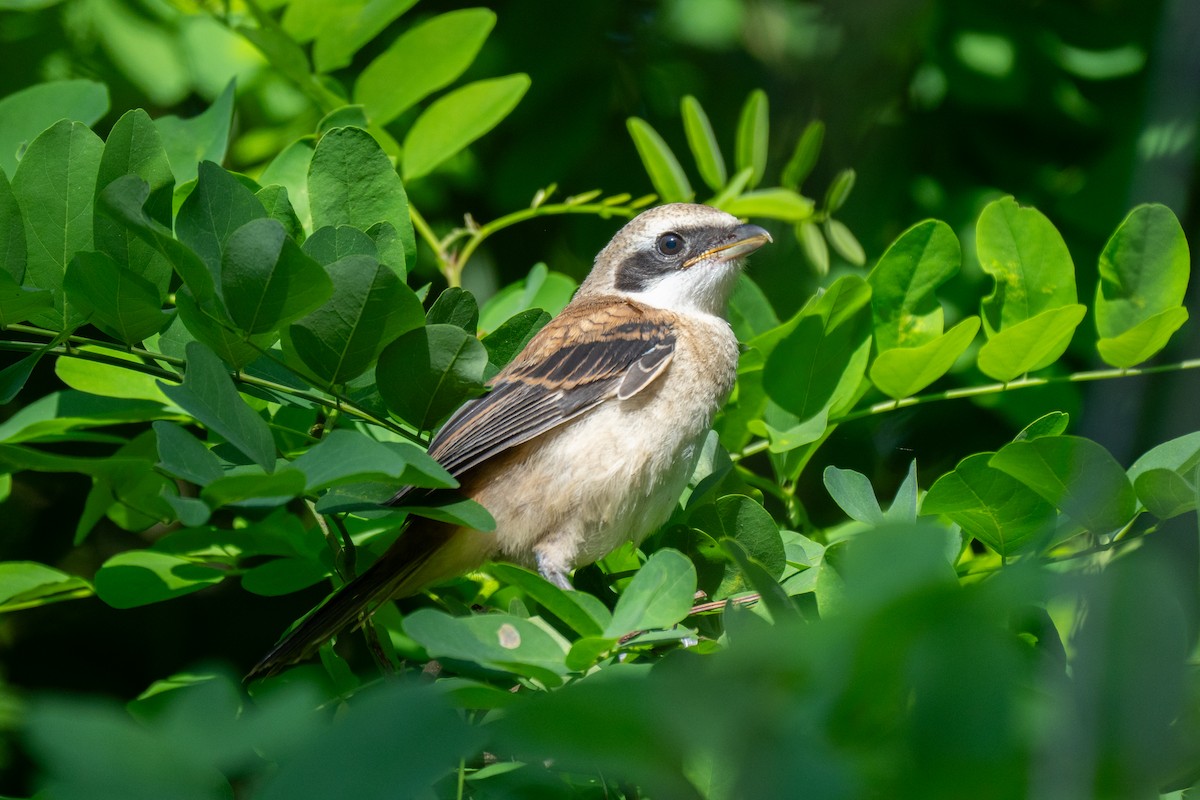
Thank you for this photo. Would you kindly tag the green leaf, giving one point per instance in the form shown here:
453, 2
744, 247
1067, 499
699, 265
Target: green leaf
1143, 340
666, 175
853, 493
55, 414
135, 147
991, 506
760, 580
494, 641
703, 143
20, 303
804, 157
208, 394
1029, 261
813, 245
750, 312
328, 244
54, 186
27, 113
1143, 271
203, 137
217, 207
1076, 475
14, 377
275, 200
659, 596
425, 58
116, 300
903, 303
541, 289
428, 373
839, 190
352, 25
1181, 455
455, 306
351, 181
777, 203
197, 324
904, 371
1030, 345
582, 612
266, 281
350, 116
140, 577
27, 584
283, 576
369, 309
1165, 493
14, 251
1051, 424
457, 119
254, 489
844, 242
739, 518
510, 338
344, 456
184, 456
455, 510
289, 169
753, 132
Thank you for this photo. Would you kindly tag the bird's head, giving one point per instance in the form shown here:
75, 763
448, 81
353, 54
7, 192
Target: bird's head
680, 257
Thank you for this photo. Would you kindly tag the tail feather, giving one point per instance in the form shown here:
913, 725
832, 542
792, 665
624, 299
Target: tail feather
392, 575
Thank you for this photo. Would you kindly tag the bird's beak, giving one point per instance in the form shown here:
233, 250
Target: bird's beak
746, 239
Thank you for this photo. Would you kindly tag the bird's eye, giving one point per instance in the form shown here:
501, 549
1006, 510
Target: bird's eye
670, 244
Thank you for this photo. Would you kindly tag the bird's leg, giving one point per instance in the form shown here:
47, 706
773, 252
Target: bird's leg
553, 570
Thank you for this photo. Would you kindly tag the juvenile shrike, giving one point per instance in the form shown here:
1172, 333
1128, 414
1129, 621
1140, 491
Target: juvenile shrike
588, 437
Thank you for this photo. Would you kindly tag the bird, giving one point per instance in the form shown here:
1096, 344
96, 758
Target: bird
587, 438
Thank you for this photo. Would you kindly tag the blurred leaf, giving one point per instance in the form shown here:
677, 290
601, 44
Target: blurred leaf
753, 134
349, 116
777, 203
1142, 341
1165, 493
659, 596
354, 23
351, 181
266, 281
27, 584
494, 641
203, 137
804, 157
1076, 475
844, 242
455, 306
663, 168
369, 309
853, 493
140, 577
991, 506
1030, 345
25, 114
117, 300
54, 186
839, 190
217, 207
13, 249
549, 291
457, 119
427, 57
184, 456
428, 373
344, 456
703, 143
903, 303
904, 371
813, 245
208, 394
504, 343
1181, 454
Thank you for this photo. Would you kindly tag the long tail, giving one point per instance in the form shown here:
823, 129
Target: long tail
396, 573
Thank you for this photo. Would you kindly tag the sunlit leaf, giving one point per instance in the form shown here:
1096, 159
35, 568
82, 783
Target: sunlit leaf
1030, 345
666, 175
26, 113
703, 143
753, 136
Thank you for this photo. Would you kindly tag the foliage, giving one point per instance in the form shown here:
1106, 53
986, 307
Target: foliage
254, 360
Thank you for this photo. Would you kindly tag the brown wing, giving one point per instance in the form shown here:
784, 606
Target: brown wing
594, 351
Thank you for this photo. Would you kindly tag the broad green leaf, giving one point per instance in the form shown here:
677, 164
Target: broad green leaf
13, 249
455, 306
659, 596
184, 456
289, 169
218, 206
504, 343
351, 181
198, 324
328, 244
813, 245
760, 580
140, 577
1165, 493
392, 246
991, 506
549, 291
20, 303
53, 415
494, 641
55, 185
428, 372
778, 203
425, 58
203, 137
853, 493
24, 115
350, 116
579, 610
804, 157
1181, 455
905, 309
1026, 256
457, 119
844, 243
839, 190
739, 518
1143, 271
904, 371
279, 208
345, 456
453, 509
1030, 345
115, 299
703, 143
266, 281
369, 309
1076, 475
1143, 340
134, 147
254, 489
28, 584
353, 24
666, 175
753, 135
208, 394
283, 576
